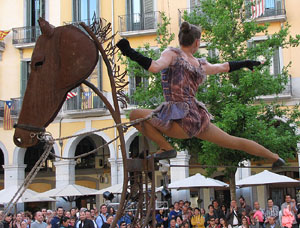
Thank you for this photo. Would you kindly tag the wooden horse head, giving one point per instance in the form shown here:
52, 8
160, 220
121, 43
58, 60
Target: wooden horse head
62, 59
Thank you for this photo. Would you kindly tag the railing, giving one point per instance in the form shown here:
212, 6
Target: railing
188, 10
288, 88
86, 21
26, 35
137, 21
84, 101
2, 45
15, 108
276, 8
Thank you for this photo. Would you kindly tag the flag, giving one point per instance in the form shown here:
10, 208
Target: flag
257, 8
88, 100
70, 95
7, 120
3, 34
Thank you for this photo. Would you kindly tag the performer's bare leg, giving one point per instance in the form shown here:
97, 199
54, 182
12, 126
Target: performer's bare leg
156, 134
212, 134
216, 135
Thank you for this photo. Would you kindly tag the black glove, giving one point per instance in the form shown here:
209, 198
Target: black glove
236, 65
126, 50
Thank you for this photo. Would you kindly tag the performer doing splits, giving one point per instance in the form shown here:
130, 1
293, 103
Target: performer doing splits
182, 116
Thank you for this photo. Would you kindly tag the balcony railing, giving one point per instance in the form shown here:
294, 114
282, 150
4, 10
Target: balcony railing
86, 21
188, 10
83, 102
274, 11
15, 108
2, 45
138, 22
26, 35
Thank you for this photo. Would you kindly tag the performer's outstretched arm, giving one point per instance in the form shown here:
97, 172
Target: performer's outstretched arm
147, 63
229, 66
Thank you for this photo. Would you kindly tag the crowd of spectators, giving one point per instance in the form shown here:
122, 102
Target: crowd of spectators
181, 214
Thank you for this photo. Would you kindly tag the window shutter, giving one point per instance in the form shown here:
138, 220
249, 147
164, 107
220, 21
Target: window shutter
24, 77
28, 13
276, 62
149, 15
192, 3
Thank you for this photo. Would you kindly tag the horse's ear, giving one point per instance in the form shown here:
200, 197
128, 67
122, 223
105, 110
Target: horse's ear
46, 28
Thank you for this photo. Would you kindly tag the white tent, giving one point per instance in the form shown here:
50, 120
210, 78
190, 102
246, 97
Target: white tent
68, 190
29, 196
265, 177
118, 189
197, 181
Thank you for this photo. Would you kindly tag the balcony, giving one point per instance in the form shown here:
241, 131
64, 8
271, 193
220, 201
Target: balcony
285, 94
139, 24
2, 46
274, 12
85, 102
25, 36
15, 108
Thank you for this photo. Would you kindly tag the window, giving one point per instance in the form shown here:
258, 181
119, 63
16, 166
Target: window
276, 64
34, 10
134, 83
141, 15
25, 72
194, 3
84, 10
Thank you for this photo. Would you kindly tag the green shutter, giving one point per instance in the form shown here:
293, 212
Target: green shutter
149, 15
24, 77
192, 3
276, 62
100, 84
28, 12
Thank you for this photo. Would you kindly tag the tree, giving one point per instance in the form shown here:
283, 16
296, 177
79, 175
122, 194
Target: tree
235, 99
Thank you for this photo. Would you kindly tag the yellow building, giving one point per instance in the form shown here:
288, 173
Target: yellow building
136, 20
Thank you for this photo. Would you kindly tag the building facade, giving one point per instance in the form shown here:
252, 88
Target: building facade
136, 20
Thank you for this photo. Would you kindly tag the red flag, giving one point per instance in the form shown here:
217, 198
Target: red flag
70, 95
7, 120
3, 34
257, 8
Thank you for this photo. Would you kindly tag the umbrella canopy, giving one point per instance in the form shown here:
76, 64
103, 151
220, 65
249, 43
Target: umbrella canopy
68, 190
29, 196
118, 189
197, 181
115, 189
265, 177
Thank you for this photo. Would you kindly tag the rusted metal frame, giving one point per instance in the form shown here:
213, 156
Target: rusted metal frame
98, 92
116, 116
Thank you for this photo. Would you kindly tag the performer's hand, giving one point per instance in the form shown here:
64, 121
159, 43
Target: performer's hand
124, 46
251, 63
236, 65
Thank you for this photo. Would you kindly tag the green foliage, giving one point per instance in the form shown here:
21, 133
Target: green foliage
150, 96
235, 99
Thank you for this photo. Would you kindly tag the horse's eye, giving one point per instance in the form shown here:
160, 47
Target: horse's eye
40, 63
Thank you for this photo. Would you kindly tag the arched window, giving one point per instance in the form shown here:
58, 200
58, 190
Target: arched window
1, 162
84, 146
33, 154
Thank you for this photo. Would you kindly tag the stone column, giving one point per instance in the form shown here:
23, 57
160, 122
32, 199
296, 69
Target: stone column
179, 173
113, 171
65, 172
14, 175
120, 170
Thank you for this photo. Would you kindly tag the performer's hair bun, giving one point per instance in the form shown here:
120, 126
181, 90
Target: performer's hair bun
185, 27
188, 33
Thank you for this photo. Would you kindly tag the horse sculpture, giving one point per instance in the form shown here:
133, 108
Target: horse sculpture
62, 59
57, 53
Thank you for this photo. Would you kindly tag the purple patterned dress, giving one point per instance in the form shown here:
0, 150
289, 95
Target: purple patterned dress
180, 82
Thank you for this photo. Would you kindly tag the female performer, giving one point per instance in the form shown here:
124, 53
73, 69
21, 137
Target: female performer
182, 116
